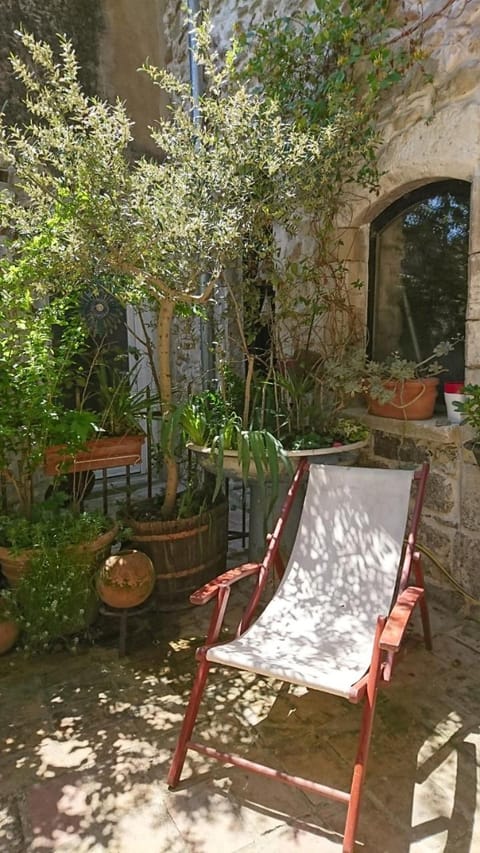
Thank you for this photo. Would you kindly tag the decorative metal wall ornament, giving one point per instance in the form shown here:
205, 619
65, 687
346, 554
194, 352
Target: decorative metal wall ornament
102, 311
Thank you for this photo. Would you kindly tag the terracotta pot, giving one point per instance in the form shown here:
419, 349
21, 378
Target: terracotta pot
99, 453
14, 565
9, 632
126, 579
413, 400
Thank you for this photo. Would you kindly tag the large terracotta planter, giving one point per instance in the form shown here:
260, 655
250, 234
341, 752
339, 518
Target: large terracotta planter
413, 400
14, 565
99, 453
9, 631
231, 466
186, 553
125, 579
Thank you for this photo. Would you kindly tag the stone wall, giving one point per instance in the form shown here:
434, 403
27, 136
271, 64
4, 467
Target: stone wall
450, 526
431, 129
432, 132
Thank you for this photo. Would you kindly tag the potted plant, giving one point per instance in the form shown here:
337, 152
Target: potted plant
51, 525
453, 393
39, 345
469, 411
403, 389
9, 622
114, 435
290, 418
257, 161
55, 599
294, 412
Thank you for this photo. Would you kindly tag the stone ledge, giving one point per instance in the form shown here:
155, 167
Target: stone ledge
435, 430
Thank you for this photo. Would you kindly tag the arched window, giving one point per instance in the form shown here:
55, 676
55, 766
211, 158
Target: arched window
418, 267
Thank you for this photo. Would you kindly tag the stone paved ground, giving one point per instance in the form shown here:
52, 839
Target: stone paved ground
87, 738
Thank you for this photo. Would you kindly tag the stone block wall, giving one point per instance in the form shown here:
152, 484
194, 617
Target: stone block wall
450, 526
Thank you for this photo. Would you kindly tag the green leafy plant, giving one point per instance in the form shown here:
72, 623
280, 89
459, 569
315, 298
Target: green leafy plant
121, 409
470, 410
33, 367
51, 526
280, 144
398, 369
55, 598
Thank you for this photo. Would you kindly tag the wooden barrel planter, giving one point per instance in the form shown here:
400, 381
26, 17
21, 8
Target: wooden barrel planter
186, 553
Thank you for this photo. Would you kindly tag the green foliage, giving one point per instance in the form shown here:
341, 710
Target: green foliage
328, 69
470, 409
302, 399
263, 156
55, 598
206, 415
38, 348
208, 420
51, 526
121, 409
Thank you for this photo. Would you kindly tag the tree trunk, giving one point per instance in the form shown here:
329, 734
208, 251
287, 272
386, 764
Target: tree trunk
164, 332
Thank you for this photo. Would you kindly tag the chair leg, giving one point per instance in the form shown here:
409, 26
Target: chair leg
360, 766
419, 579
191, 713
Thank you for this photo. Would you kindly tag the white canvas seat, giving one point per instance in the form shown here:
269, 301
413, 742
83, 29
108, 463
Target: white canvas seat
349, 540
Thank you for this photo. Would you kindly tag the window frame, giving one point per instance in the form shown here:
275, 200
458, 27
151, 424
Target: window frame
386, 217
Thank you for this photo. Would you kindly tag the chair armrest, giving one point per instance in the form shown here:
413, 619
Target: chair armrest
395, 626
210, 589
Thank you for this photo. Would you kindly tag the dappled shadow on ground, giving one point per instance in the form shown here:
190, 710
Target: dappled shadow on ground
87, 740
421, 791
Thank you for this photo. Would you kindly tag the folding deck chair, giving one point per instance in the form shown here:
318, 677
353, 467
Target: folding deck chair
338, 615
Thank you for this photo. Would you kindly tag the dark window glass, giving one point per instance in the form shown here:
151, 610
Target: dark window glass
418, 275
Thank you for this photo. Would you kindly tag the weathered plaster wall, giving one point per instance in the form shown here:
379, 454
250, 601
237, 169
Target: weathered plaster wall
81, 22
112, 39
133, 32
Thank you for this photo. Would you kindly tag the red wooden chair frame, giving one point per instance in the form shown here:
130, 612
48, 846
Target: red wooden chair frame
389, 634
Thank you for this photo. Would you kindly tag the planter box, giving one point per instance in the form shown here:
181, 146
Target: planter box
15, 564
99, 453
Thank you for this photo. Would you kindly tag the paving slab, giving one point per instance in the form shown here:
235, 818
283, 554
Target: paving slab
86, 741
